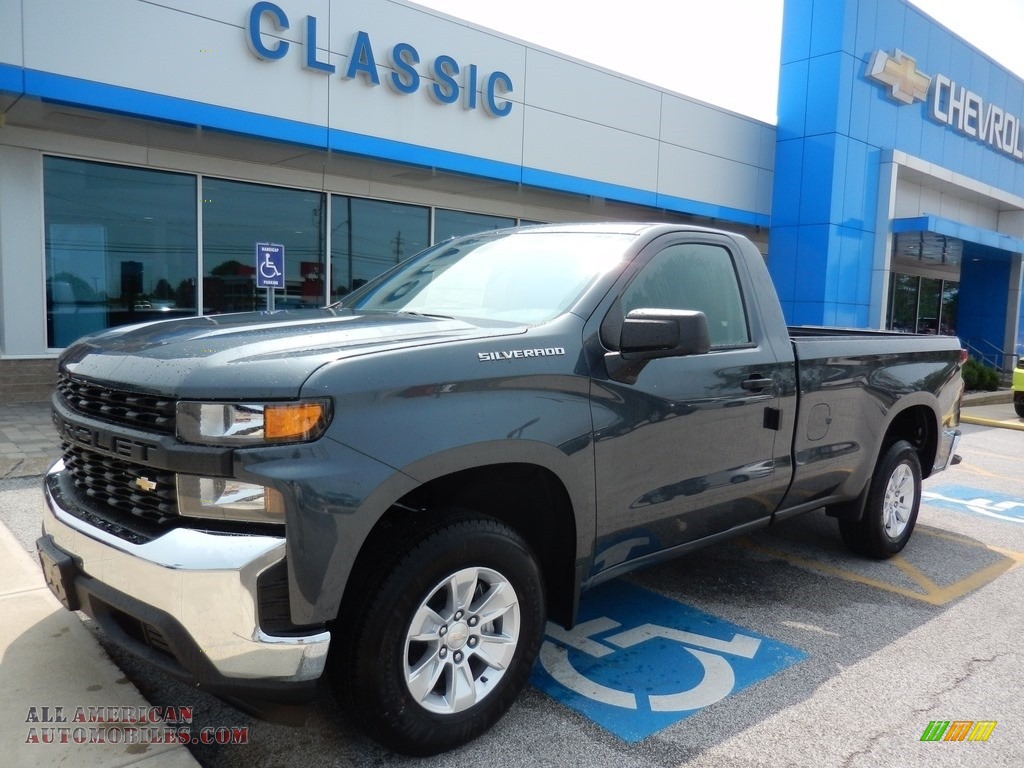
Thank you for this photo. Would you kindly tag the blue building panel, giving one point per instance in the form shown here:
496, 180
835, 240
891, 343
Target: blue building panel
940, 48
833, 29
783, 246
867, 24
882, 120
981, 315
840, 153
860, 186
851, 315
960, 62
861, 97
818, 171
849, 70
890, 21
792, 100
807, 313
822, 94
853, 270
796, 32
908, 131
811, 263
915, 32
787, 183
12, 79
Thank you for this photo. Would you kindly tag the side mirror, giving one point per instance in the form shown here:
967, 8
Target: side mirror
648, 334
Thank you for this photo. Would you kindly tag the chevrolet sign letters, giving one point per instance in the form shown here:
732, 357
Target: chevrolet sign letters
949, 103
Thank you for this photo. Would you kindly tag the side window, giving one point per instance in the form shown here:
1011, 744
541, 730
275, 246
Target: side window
693, 276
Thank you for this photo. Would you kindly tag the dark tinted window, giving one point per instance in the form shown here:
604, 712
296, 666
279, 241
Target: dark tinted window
120, 246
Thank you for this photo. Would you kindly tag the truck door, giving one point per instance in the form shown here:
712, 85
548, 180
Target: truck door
688, 449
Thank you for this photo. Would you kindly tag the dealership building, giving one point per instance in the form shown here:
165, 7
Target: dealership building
147, 149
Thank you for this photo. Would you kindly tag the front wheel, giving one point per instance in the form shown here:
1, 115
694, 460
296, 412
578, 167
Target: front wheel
890, 513
445, 636
1018, 406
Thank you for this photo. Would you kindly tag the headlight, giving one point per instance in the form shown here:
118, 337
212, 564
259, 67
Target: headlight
252, 423
223, 498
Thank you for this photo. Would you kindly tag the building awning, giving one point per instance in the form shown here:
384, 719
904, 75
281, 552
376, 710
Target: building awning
938, 228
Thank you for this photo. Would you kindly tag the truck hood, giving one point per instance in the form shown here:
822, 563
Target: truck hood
253, 354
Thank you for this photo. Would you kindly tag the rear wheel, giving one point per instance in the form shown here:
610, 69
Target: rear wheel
1018, 406
894, 499
445, 636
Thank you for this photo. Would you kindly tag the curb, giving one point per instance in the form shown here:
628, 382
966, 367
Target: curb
991, 422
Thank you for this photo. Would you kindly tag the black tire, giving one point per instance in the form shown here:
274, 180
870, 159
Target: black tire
1018, 406
893, 502
500, 618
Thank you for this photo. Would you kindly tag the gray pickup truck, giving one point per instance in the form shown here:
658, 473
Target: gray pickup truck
394, 493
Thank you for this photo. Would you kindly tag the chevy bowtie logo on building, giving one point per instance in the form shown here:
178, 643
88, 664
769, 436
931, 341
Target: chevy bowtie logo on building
900, 73
949, 103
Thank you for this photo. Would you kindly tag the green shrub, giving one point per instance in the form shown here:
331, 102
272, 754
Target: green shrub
978, 376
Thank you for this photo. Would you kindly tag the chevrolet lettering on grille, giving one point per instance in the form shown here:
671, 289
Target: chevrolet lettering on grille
104, 441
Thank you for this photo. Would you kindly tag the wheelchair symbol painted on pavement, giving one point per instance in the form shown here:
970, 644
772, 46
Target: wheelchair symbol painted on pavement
638, 662
717, 682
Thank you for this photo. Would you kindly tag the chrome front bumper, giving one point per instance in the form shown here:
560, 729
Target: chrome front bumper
206, 582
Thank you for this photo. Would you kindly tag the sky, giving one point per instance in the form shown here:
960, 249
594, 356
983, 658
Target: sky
677, 44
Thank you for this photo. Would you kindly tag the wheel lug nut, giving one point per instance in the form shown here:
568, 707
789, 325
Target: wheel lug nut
473, 621
442, 631
458, 657
472, 642
443, 653
458, 615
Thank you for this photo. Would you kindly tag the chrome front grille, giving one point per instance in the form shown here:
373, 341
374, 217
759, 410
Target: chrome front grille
113, 484
131, 409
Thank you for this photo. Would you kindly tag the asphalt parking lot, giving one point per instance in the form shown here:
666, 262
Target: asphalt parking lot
776, 649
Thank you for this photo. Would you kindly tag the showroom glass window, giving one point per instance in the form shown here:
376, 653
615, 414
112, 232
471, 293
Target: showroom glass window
457, 223
120, 246
922, 304
368, 237
237, 216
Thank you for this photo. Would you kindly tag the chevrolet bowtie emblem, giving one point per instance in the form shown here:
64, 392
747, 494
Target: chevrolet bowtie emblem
145, 484
900, 73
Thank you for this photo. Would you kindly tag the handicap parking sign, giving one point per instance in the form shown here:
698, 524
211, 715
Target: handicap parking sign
269, 265
638, 662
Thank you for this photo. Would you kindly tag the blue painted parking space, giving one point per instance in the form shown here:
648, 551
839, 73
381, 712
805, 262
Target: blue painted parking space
637, 662
966, 499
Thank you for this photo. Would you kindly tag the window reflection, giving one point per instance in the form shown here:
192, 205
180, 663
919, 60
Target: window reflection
120, 246
922, 304
449, 224
236, 216
368, 237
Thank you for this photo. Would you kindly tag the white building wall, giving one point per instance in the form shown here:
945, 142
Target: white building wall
572, 126
22, 283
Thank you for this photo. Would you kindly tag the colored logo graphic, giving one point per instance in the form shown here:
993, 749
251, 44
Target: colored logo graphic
977, 501
900, 73
638, 662
958, 730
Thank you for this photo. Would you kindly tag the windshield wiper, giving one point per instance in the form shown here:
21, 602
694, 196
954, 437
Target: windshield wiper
422, 314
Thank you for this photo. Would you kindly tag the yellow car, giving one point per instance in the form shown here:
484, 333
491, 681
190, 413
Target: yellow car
1018, 388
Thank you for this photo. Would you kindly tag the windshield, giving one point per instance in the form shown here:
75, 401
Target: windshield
519, 277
